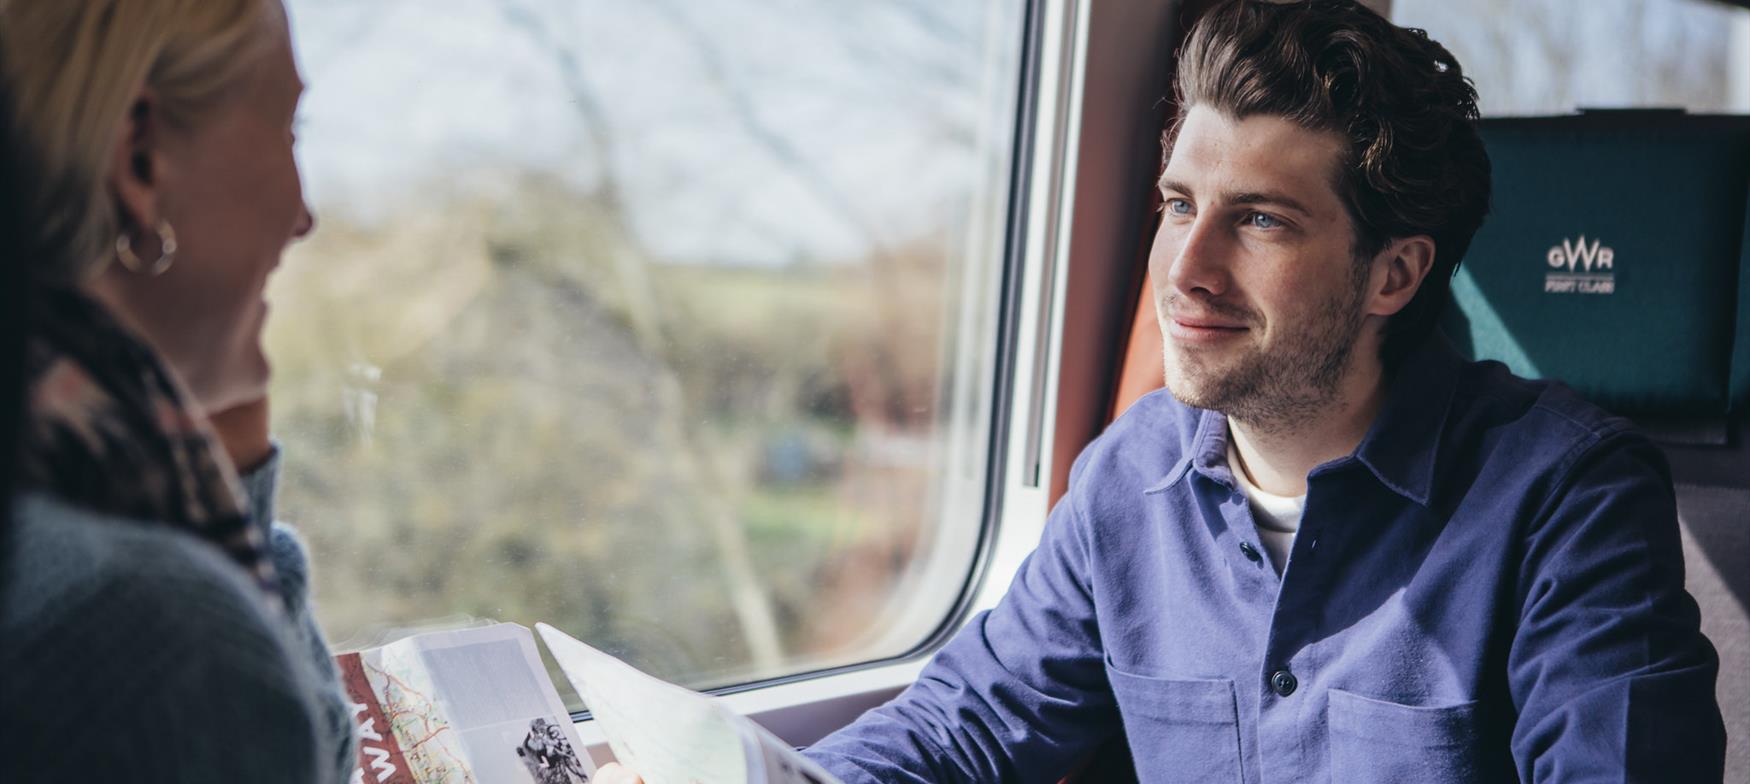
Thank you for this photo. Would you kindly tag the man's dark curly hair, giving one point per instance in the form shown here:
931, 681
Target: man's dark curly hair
1412, 164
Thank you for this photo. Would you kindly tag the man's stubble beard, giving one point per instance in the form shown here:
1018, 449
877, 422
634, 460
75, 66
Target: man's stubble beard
1281, 388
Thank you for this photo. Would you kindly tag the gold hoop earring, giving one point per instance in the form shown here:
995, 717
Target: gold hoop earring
124, 252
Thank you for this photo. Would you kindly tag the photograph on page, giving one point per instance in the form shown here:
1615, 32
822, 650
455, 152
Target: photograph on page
472, 705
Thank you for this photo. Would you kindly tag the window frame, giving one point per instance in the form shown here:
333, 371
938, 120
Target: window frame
1076, 198
803, 707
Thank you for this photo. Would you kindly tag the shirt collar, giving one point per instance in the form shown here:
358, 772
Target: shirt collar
1206, 451
1400, 448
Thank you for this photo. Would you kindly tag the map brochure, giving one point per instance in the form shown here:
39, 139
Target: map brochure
671, 735
472, 706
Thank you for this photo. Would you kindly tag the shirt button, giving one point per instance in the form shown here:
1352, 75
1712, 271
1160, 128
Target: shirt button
1283, 683
1250, 551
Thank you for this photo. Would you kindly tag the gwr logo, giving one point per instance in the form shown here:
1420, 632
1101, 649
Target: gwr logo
1579, 268
1571, 255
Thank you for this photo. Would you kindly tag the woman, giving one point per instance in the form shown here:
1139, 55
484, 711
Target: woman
153, 621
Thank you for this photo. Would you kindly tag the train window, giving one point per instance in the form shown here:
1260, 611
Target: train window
1536, 57
670, 324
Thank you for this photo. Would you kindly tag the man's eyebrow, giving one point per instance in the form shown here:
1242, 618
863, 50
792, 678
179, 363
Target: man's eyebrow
1243, 197
1265, 197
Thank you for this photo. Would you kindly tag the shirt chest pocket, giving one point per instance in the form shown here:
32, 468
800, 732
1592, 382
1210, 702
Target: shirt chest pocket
1378, 741
1179, 730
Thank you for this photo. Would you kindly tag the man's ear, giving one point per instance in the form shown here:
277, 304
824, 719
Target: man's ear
136, 167
1398, 272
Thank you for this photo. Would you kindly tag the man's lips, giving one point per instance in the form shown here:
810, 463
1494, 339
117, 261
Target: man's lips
1193, 329
1205, 323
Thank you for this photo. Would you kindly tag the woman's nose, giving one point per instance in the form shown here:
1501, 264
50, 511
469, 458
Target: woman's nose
306, 222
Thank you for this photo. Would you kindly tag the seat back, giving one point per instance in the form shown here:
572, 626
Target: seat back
1617, 260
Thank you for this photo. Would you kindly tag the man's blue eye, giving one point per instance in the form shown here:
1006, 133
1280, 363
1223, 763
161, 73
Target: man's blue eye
1178, 207
1263, 221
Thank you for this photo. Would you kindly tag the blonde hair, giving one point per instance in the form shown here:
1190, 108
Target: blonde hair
74, 69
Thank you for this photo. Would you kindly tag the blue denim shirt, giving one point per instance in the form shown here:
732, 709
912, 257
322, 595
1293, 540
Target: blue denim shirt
1490, 588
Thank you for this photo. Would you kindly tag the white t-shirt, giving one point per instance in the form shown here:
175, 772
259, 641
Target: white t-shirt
1277, 516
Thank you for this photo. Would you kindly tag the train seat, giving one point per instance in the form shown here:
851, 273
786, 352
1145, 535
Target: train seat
1617, 259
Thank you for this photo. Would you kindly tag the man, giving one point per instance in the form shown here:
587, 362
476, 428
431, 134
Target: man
1330, 550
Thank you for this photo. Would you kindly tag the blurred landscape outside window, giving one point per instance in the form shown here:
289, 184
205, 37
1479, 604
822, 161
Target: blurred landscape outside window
670, 323
1543, 57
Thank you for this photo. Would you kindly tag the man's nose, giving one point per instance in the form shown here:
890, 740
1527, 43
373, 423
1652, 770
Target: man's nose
1199, 260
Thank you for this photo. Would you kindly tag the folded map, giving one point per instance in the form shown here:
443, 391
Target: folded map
472, 705
671, 735
475, 706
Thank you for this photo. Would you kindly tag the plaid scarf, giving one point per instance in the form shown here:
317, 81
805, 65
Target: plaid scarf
108, 427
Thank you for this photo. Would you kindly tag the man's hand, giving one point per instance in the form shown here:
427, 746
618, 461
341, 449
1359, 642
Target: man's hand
612, 773
243, 431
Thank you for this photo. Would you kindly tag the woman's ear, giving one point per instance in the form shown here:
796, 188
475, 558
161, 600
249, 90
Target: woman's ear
1398, 274
136, 168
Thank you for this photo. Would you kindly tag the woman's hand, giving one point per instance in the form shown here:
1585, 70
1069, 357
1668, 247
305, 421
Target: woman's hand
612, 773
243, 431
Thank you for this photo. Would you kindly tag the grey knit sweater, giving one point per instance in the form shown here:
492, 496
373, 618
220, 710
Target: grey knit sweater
132, 653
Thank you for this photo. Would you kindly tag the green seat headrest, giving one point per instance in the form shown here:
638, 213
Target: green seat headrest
1613, 259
